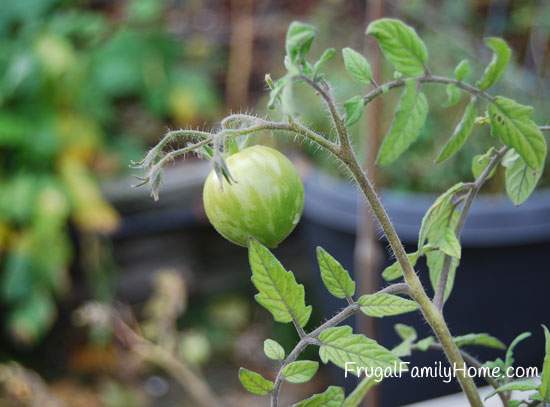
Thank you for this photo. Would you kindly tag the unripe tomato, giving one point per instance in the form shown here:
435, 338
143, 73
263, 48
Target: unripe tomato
265, 202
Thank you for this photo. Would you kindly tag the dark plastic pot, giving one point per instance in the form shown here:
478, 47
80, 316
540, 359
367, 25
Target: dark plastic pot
501, 286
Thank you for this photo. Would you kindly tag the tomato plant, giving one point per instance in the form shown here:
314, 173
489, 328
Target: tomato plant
264, 202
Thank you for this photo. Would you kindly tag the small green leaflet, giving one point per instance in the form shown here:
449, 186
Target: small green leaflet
453, 95
326, 56
300, 371
424, 344
273, 350
276, 91
254, 382
358, 394
336, 279
278, 290
511, 123
406, 332
383, 305
409, 119
545, 376
519, 385
461, 133
481, 161
462, 70
331, 397
340, 345
357, 65
435, 260
299, 38
509, 358
498, 64
482, 339
520, 179
395, 271
354, 109
400, 44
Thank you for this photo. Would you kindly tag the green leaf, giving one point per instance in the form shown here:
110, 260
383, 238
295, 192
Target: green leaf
278, 290
482, 339
461, 133
357, 65
277, 91
326, 56
462, 70
409, 119
518, 385
331, 397
358, 394
520, 180
424, 344
354, 109
300, 371
32, 317
498, 64
406, 332
254, 382
509, 359
340, 345
435, 260
511, 123
273, 350
545, 376
453, 95
383, 305
395, 271
449, 243
336, 279
400, 44
299, 38
481, 161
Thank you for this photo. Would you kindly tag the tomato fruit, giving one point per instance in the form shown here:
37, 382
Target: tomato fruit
264, 202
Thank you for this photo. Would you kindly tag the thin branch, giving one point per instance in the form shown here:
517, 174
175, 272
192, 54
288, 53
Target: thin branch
439, 297
545, 128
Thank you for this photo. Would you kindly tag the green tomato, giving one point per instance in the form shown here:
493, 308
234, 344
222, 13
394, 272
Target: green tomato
265, 202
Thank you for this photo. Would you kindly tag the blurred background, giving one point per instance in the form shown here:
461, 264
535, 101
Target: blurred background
86, 86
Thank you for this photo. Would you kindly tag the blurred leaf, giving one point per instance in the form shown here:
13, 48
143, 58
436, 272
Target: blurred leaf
357, 65
333, 396
545, 376
498, 64
462, 70
300, 371
32, 318
482, 339
254, 382
460, 134
299, 38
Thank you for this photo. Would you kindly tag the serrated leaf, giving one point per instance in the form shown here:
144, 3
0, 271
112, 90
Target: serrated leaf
460, 134
273, 350
395, 271
300, 371
358, 394
299, 38
509, 358
340, 345
435, 260
400, 44
354, 109
521, 180
511, 123
424, 344
498, 64
462, 70
383, 305
481, 161
254, 382
335, 278
545, 376
481, 339
331, 397
409, 119
406, 332
279, 292
357, 65
518, 385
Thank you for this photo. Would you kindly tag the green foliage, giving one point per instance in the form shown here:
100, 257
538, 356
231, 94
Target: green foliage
301, 371
273, 350
394, 271
336, 279
354, 110
482, 339
340, 345
409, 119
333, 396
358, 394
462, 70
497, 66
383, 305
460, 134
299, 38
509, 358
520, 179
519, 385
357, 65
545, 376
511, 122
480, 163
254, 382
279, 292
400, 44
435, 260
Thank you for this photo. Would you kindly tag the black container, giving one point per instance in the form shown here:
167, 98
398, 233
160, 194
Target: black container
501, 286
